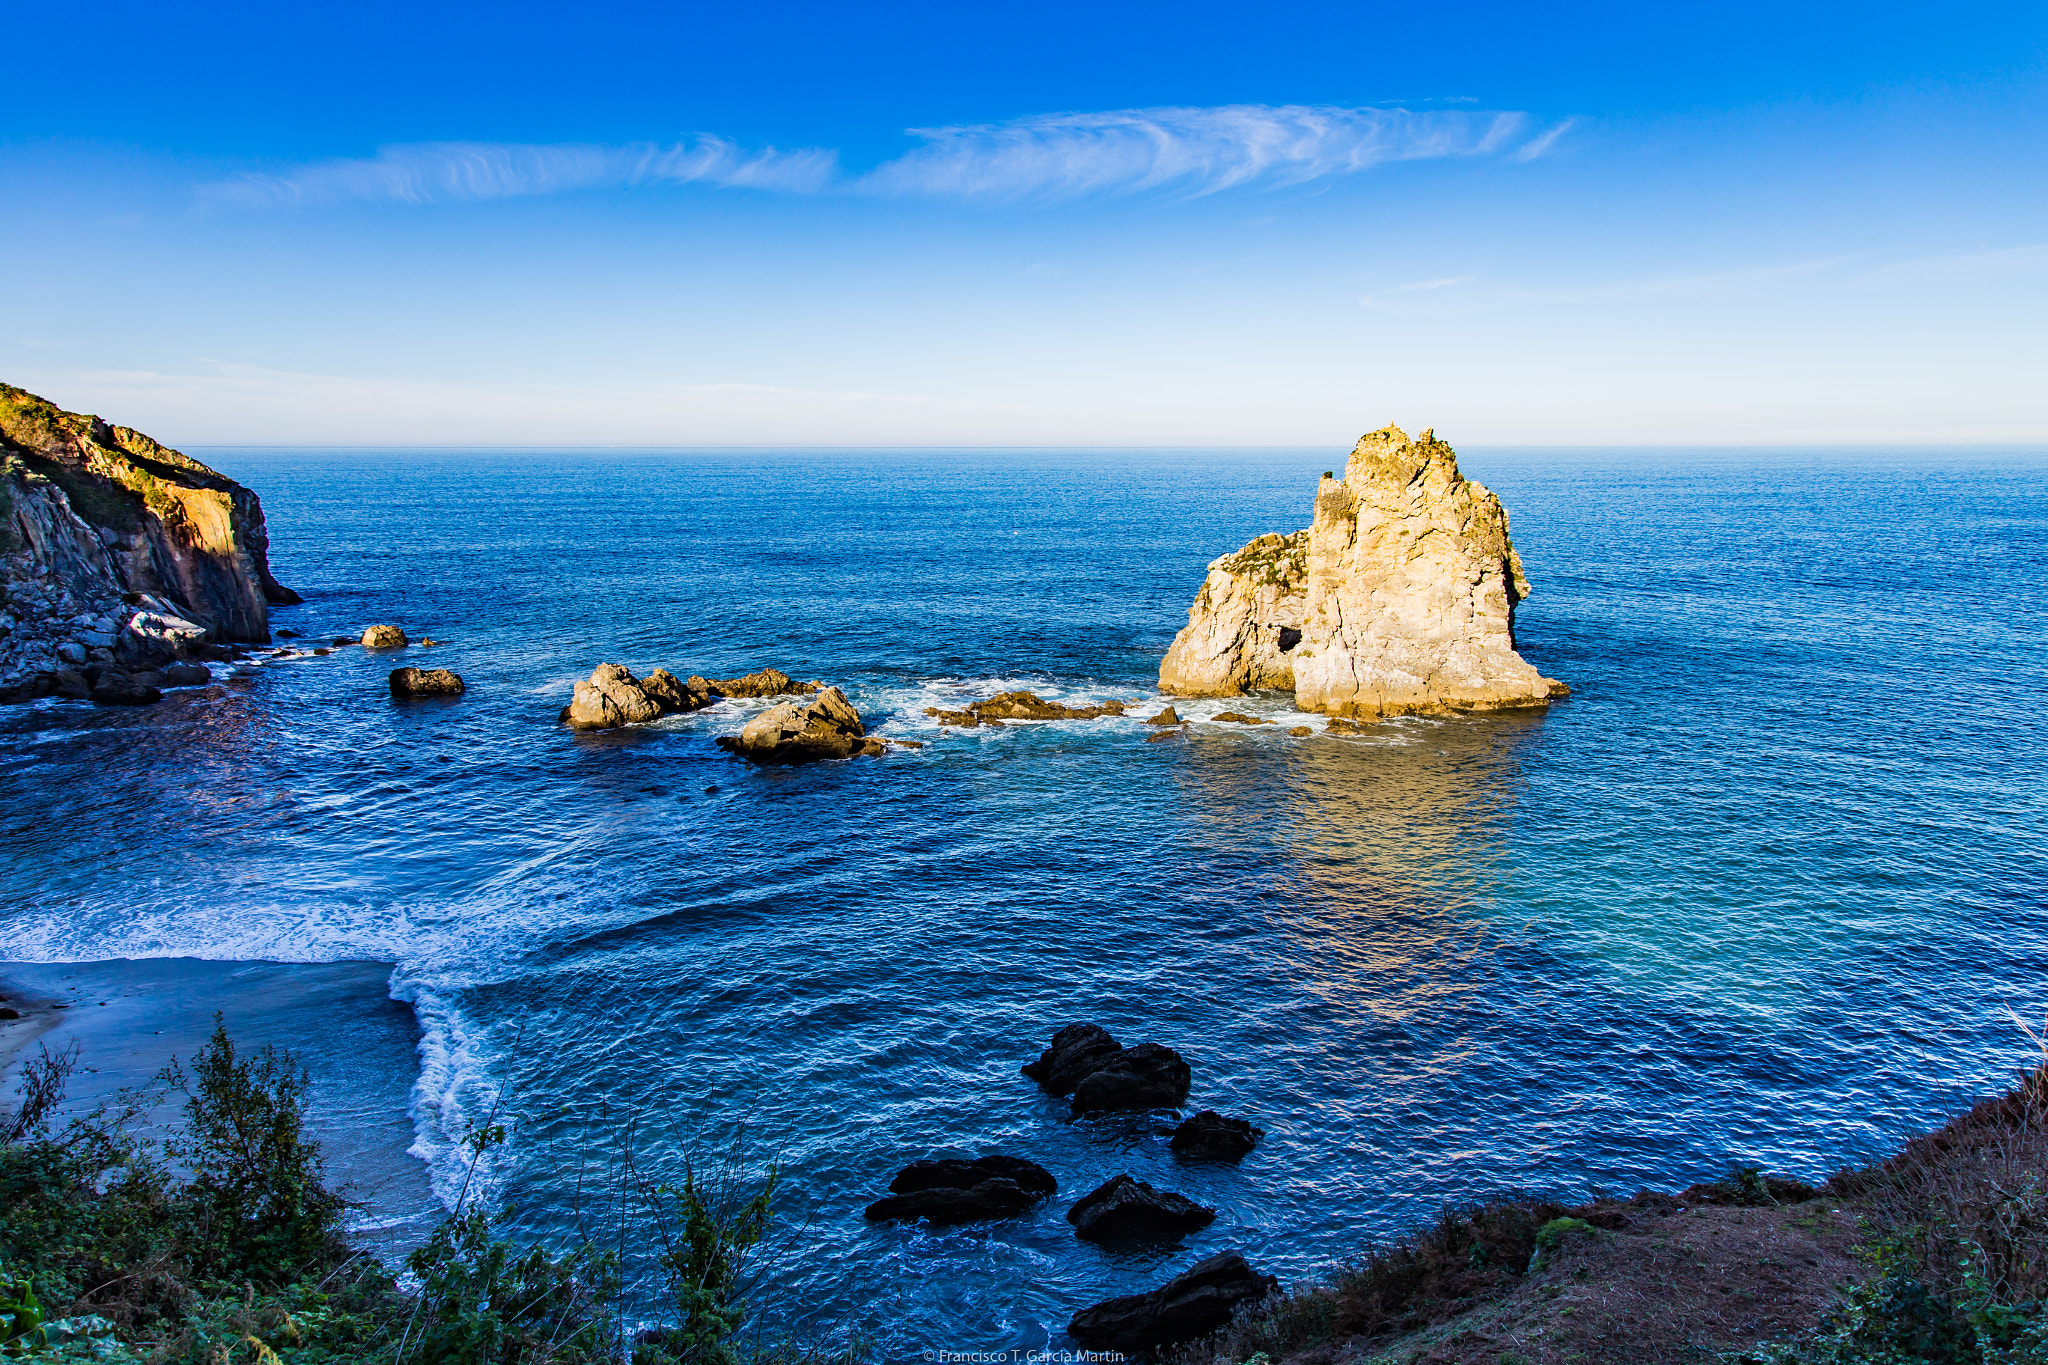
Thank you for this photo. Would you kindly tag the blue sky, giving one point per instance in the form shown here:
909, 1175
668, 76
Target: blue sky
1151, 225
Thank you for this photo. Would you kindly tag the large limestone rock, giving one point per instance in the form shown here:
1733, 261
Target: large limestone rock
610, 698
1245, 623
827, 726
1407, 598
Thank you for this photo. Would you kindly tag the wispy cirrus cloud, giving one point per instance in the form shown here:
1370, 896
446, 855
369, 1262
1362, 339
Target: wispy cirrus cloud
1192, 151
441, 172
1388, 300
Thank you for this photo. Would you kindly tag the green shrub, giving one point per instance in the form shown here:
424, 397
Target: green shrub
230, 1252
708, 1226
1895, 1318
1555, 1234
481, 1303
259, 1206
21, 1315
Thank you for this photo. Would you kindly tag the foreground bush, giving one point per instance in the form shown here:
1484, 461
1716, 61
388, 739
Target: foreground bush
226, 1246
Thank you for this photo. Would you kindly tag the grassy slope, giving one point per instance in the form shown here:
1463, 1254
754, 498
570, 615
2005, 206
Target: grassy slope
1936, 1256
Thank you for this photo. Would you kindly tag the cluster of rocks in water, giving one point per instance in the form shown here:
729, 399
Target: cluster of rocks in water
1086, 1065
821, 725
153, 650
825, 726
409, 682
1008, 706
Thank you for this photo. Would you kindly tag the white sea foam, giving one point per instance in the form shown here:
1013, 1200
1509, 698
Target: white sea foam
453, 1096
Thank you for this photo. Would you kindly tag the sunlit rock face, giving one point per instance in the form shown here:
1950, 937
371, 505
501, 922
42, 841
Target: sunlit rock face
1400, 597
90, 512
1245, 622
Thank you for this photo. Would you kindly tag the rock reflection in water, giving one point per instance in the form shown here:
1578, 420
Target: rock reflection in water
1414, 811
1397, 843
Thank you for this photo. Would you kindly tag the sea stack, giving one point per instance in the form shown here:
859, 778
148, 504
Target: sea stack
1399, 598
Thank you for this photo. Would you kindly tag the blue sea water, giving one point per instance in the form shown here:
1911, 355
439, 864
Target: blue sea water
1770, 887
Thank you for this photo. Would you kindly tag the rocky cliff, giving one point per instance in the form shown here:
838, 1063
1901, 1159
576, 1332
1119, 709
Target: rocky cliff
115, 547
1245, 623
1399, 598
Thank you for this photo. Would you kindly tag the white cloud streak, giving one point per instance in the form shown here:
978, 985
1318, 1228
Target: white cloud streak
1191, 151
1543, 142
442, 172
1196, 151
1386, 299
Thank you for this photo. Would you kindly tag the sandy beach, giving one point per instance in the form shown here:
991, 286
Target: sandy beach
131, 1018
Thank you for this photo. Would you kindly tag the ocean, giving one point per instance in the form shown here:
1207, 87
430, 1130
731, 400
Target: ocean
1770, 887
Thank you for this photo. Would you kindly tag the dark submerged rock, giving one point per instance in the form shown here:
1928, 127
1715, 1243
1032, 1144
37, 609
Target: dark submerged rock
119, 689
28, 689
1209, 1136
187, 675
1028, 1176
948, 1205
1127, 1209
1076, 1051
948, 1192
1148, 1076
1006, 706
1191, 1305
425, 682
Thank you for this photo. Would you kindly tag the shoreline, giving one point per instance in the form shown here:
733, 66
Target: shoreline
131, 1017
35, 1015
1733, 1262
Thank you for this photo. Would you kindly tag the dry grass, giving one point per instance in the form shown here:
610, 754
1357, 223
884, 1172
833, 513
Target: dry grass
1716, 1268
1619, 1282
1975, 1190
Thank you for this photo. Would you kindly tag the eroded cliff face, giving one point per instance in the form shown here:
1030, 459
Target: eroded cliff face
1245, 622
101, 527
1407, 598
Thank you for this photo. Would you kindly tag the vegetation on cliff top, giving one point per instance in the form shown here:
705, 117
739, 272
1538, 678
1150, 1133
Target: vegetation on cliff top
102, 469
1936, 1256
1281, 560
